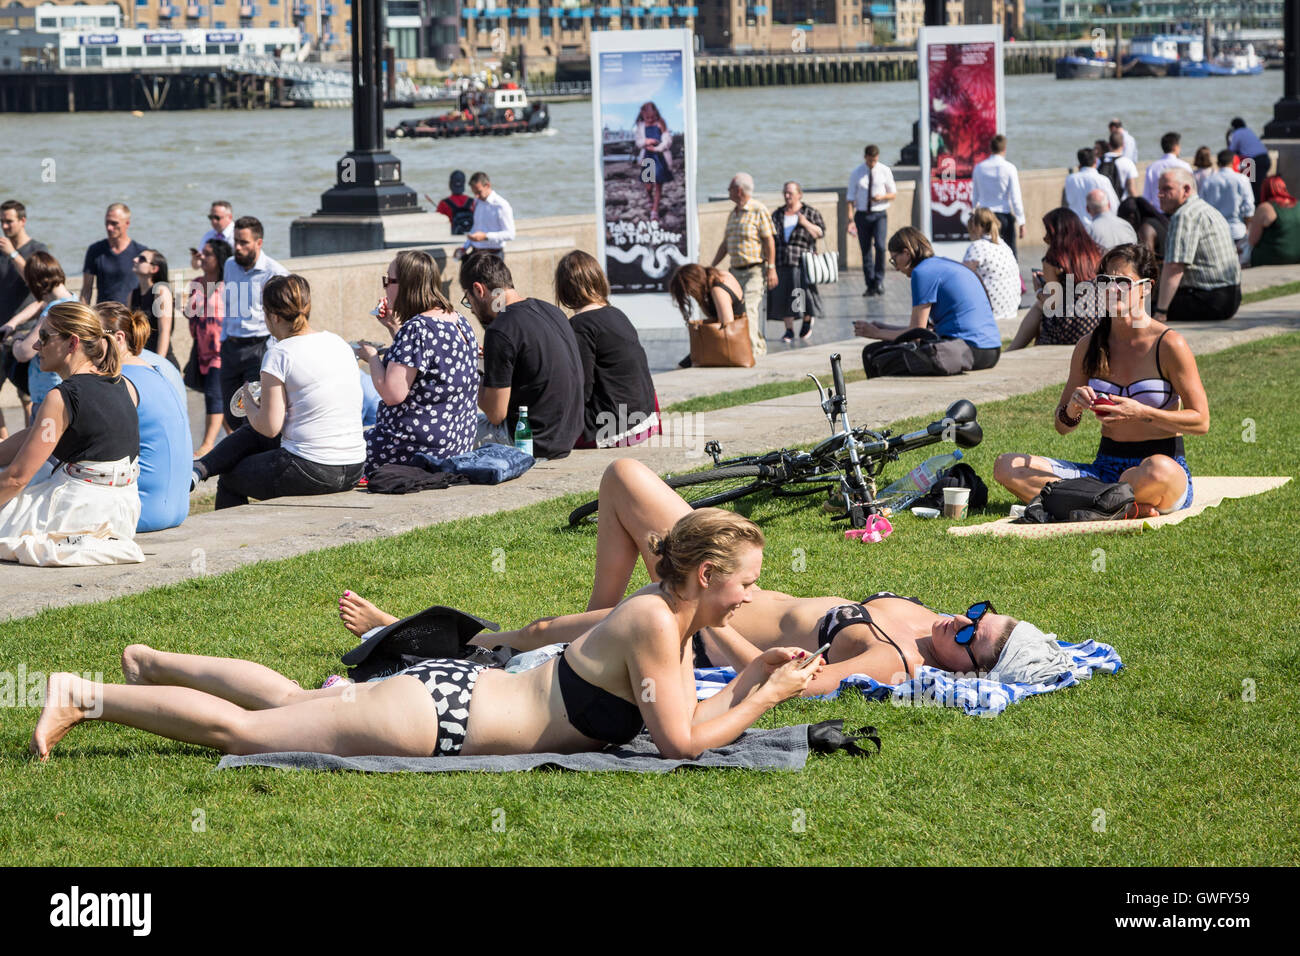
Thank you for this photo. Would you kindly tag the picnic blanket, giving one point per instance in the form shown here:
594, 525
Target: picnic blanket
932, 687
1206, 493
781, 748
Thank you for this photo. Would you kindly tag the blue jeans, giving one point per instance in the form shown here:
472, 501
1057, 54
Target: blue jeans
871, 231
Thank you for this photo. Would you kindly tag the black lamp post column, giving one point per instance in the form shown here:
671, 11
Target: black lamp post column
369, 179
1286, 111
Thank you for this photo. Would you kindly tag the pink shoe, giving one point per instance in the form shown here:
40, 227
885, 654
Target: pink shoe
878, 529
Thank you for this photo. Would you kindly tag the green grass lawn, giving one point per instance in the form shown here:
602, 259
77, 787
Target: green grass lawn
1183, 768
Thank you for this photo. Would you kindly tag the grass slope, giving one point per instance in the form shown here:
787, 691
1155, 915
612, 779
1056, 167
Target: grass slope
1183, 768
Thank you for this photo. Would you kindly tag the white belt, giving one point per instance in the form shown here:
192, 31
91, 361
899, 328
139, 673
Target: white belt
115, 474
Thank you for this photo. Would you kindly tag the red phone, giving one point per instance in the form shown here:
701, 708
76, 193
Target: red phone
1101, 400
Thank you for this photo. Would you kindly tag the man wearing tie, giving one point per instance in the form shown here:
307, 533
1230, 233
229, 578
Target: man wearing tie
871, 189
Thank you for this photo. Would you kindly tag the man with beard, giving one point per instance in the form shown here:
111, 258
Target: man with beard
243, 331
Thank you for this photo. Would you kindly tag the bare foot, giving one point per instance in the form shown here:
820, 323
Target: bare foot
359, 615
1146, 511
134, 662
67, 700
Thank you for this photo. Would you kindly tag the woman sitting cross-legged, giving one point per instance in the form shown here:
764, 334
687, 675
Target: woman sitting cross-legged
885, 636
165, 461
86, 511
632, 669
428, 382
1139, 378
304, 438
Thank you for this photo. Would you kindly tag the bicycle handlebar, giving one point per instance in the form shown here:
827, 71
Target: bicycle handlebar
838, 375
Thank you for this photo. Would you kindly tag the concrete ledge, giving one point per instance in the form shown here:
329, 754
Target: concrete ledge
217, 542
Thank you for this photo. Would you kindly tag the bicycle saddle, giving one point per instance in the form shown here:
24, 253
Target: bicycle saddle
969, 435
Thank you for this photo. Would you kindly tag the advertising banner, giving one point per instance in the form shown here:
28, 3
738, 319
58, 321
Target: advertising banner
962, 108
643, 103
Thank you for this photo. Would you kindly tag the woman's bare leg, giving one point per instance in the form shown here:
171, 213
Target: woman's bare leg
246, 684
634, 503
1159, 485
1023, 475
396, 717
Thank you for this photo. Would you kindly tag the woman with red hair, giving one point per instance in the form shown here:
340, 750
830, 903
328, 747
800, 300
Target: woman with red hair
1274, 233
1066, 310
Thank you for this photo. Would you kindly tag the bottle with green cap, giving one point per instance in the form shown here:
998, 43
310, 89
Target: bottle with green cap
523, 431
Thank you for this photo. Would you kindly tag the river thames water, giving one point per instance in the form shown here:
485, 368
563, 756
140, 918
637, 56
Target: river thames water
275, 163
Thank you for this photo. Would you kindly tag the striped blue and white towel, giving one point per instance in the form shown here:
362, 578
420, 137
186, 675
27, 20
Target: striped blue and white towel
932, 687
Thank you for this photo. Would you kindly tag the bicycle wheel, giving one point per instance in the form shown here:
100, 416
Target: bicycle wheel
703, 489
707, 489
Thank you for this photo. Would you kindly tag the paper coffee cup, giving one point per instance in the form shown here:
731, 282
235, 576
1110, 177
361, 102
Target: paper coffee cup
956, 501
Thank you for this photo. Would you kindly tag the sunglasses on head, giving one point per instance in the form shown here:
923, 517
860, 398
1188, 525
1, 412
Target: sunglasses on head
966, 634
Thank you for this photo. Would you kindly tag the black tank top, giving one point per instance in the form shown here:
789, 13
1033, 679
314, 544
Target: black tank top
102, 421
737, 302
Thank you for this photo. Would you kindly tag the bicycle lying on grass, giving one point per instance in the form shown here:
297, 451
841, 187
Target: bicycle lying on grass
843, 467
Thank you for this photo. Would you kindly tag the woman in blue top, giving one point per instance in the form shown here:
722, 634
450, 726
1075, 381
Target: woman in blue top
428, 381
165, 440
946, 296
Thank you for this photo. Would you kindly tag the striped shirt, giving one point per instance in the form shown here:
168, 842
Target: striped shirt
747, 227
1199, 239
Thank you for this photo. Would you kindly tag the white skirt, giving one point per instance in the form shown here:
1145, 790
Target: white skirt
62, 521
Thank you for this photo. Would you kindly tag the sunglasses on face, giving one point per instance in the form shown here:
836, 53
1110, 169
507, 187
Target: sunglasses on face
966, 634
43, 336
213, 215
143, 258
1122, 283
387, 280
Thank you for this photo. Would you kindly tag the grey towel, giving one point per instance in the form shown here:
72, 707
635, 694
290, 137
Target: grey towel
782, 748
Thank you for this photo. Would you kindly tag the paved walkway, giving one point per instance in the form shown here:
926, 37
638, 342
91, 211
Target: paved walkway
217, 542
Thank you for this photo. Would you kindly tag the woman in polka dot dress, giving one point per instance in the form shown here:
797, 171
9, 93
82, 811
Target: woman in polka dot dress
428, 381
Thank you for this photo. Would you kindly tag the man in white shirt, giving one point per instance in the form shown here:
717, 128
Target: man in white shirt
1106, 228
1079, 184
1171, 144
995, 185
222, 218
243, 329
494, 220
1230, 192
871, 190
1129, 147
1125, 169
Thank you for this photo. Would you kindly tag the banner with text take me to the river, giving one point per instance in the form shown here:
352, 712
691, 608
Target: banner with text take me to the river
643, 102
962, 108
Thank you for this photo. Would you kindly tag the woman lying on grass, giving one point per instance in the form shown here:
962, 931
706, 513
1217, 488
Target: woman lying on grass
634, 667
888, 642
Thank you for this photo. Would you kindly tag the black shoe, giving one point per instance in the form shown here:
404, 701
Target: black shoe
878, 289
868, 292
685, 363
805, 330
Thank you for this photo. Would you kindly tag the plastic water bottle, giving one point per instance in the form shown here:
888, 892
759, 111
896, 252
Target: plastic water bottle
917, 482
523, 431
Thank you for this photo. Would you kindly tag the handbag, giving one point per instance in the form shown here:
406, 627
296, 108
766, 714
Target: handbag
192, 376
1080, 499
717, 346
821, 268
918, 352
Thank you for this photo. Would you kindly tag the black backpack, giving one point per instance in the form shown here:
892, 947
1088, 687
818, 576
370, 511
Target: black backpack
1080, 499
1108, 169
462, 217
918, 352
960, 475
